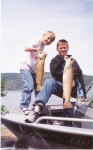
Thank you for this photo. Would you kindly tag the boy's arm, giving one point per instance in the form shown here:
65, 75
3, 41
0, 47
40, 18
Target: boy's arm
34, 49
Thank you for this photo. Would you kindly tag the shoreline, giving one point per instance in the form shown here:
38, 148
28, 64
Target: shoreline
8, 139
11, 101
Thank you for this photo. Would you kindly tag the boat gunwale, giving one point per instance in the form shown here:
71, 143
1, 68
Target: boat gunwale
55, 128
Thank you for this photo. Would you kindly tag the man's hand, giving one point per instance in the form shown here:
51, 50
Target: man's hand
82, 98
69, 61
42, 55
67, 105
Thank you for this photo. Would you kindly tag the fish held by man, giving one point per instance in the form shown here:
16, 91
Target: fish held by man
68, 79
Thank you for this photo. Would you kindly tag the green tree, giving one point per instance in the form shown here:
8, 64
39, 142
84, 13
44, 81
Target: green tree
3, 83
3, 109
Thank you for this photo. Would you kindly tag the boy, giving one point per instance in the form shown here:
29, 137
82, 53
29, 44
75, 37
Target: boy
54, 85
28, 68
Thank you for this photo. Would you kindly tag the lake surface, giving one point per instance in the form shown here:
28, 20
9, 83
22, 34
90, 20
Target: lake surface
12, 100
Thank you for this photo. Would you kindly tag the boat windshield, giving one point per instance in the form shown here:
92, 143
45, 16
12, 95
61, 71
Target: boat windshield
90, 94
91, 104
90, 91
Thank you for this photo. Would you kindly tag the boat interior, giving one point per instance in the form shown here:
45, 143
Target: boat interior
53, 127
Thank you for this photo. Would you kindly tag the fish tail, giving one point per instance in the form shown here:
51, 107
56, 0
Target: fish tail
38, 88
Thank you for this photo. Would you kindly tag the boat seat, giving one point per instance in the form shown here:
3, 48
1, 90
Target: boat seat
47, 111
84, 112
53, 110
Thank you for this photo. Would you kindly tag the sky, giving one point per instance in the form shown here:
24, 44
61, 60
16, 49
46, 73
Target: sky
24, 20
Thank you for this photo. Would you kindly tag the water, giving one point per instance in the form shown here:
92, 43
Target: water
12, 100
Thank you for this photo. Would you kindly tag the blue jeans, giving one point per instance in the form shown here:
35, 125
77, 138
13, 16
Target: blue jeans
29, 84
51, 86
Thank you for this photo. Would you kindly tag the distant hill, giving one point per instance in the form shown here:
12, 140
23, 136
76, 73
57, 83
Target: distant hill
14, 81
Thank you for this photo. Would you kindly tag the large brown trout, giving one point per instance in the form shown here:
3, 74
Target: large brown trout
40, 71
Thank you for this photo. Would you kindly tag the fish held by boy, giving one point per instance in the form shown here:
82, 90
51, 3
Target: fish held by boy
40, 70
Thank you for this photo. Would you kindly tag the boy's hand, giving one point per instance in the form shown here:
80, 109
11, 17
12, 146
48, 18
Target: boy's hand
42, 55
39, 50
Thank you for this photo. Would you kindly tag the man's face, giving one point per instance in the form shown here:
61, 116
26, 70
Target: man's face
62, 49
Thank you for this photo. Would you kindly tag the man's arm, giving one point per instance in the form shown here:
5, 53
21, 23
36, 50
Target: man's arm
80, 81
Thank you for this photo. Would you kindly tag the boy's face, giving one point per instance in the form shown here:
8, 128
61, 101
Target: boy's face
47, 39
63, 49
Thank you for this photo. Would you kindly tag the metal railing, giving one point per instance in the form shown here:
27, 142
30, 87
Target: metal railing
63, 119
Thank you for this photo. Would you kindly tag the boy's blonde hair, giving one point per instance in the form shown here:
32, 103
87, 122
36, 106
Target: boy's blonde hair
52, 34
